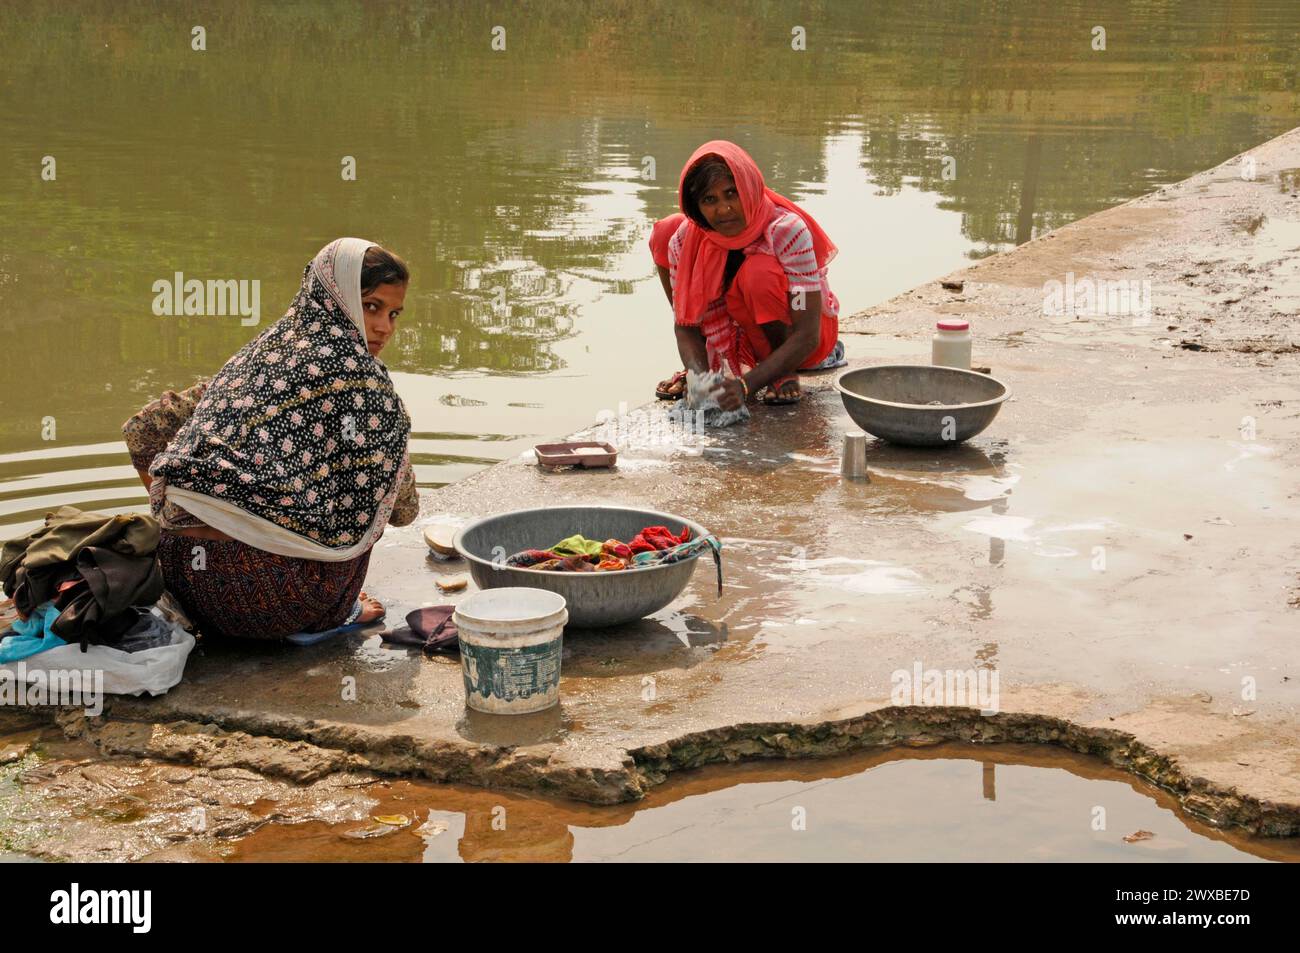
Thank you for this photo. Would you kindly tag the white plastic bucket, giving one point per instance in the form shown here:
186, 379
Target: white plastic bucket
510, 643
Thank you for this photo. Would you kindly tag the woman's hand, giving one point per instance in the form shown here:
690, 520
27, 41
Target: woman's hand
730, 394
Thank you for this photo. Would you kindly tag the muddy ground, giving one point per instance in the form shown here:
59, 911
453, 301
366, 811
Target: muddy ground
1121, 546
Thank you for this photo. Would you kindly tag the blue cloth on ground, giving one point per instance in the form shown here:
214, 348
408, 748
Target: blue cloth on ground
31, 635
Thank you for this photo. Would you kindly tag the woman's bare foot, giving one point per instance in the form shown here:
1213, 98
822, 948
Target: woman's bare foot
371, 609
785, 391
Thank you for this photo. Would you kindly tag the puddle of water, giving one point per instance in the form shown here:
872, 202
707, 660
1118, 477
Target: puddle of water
942, 804
948, 802
1277, 236
1003, 527
878, 578
984, 488
63, 801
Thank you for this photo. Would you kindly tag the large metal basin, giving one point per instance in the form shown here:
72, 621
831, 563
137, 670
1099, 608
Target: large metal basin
594, 598
895, 402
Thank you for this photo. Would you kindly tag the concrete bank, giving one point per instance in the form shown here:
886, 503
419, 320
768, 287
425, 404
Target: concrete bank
1121, 547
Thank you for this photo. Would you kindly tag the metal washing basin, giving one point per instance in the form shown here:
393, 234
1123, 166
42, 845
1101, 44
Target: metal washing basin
920, 405
594, 598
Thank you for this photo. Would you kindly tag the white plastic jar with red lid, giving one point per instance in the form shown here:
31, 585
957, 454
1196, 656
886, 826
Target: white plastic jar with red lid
950, 346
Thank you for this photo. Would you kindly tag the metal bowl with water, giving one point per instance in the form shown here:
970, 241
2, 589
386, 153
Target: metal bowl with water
921, 405
594, 598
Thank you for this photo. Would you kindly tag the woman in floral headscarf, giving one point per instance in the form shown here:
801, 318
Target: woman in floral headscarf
745, 271
273, 481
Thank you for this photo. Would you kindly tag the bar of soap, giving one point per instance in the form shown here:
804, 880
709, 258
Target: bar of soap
451, 583
439, 538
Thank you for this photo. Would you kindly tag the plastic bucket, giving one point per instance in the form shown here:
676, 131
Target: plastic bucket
510, 642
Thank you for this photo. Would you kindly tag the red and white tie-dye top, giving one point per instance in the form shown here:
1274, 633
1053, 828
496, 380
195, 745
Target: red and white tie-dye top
788, 240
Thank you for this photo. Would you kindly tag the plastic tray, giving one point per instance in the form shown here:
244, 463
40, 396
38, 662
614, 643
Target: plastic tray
567, 455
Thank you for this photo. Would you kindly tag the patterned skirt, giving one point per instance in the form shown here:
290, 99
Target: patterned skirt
243, 592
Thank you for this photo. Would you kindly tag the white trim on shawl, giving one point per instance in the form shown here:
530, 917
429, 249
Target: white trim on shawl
265, 535
347, 276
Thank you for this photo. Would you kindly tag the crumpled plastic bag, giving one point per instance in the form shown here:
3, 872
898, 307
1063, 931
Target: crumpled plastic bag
700, 399
152, 670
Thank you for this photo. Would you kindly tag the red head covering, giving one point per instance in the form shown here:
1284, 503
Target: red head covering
704, 251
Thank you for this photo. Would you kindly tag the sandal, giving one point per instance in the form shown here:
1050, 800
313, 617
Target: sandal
674, 388
772, 396
349, 625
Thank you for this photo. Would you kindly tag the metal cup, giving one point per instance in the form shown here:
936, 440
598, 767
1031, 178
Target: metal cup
853, 461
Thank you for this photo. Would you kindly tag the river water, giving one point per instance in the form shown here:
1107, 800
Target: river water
520, 183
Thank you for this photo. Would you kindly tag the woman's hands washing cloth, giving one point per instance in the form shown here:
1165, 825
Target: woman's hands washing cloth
700, 399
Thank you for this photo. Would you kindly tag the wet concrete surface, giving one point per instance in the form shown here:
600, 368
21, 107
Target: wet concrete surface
1120, 547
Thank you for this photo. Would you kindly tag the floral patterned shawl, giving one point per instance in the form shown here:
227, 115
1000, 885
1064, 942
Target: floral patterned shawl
299, 444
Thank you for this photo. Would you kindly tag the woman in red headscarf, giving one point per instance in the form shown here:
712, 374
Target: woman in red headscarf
745, 271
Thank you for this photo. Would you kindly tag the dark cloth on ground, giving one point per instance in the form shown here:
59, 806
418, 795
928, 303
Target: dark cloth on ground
94, 568
430, 629
65, 532
244, 592
99, 607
